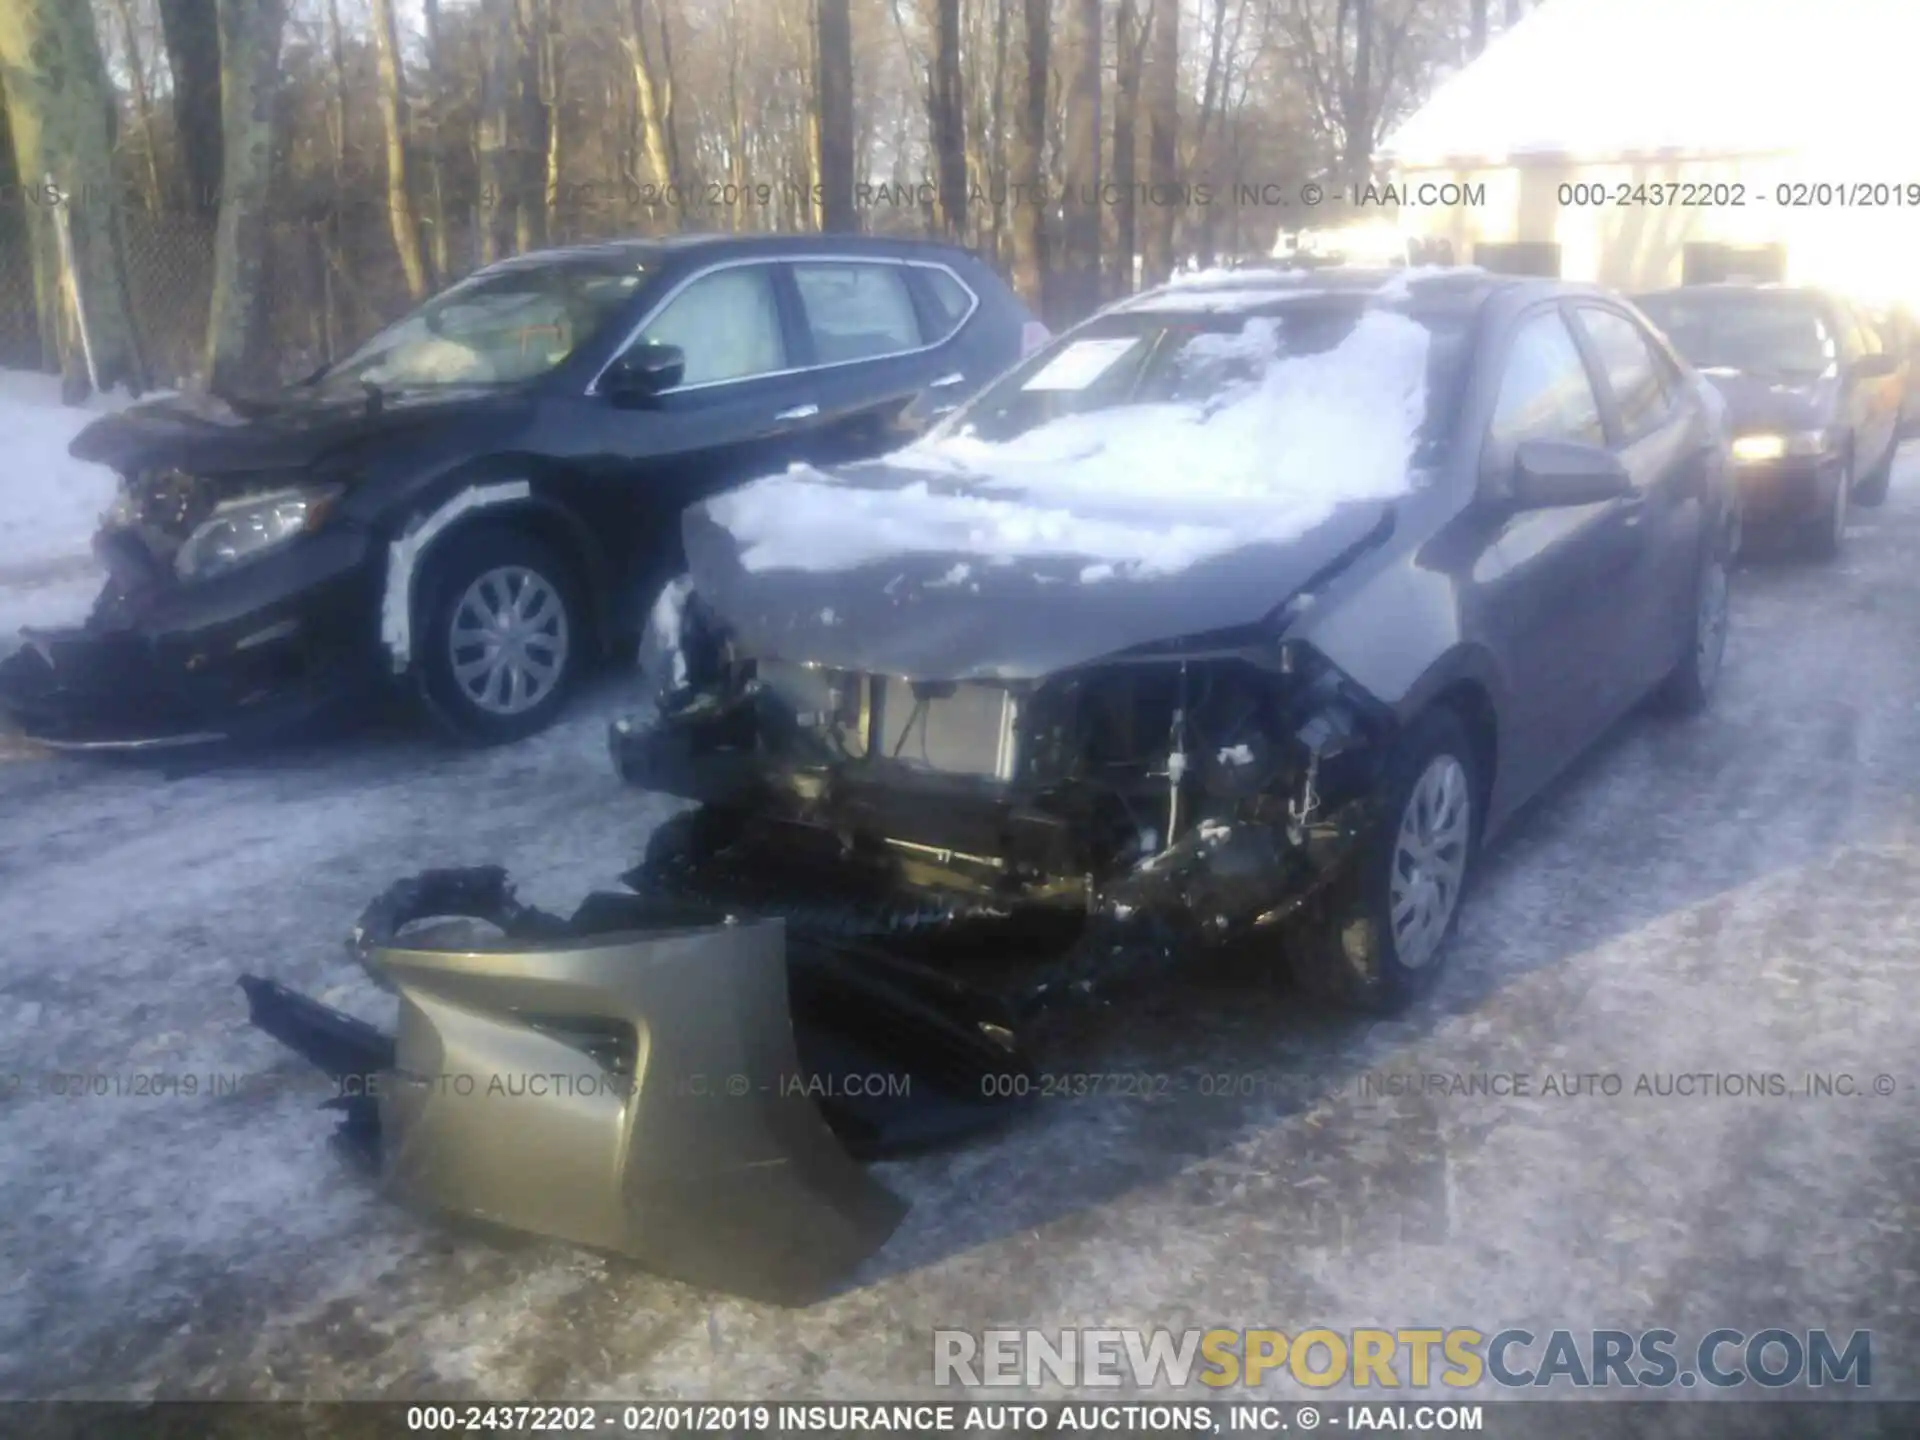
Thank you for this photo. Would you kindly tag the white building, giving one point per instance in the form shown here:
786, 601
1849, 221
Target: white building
1638, 143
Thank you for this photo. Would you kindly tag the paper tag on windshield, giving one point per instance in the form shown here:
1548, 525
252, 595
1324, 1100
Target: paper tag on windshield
1080, 364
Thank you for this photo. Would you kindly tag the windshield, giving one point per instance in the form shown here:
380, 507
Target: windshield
493, 329
1783, 335
1340, 350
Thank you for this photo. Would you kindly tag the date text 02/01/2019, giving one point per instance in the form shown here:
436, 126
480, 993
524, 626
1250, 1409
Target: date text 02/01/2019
1738, 194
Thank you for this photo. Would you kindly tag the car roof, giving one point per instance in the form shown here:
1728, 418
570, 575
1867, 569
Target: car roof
1255, 289
657, 250
1733, 289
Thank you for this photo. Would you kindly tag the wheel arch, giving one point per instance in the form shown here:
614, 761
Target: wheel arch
518, 502
1467, 682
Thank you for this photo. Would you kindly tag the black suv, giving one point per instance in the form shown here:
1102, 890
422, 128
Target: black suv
479, 500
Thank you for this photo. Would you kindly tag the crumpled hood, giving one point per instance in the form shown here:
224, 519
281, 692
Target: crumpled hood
957, 615
287, 430
1766, 403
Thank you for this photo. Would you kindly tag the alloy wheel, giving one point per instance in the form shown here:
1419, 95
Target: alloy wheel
508, 641
1429, 860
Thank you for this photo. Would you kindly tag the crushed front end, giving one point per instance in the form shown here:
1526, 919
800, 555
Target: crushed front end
1026, 840
195, 636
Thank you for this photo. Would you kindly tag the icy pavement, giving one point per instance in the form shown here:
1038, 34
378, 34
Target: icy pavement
1735, 894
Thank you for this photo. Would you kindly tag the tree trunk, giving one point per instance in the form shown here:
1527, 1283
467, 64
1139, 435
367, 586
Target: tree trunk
60, 111
142, 104
1081, 142
336, 224
550, 94
1477, 28
1030, 200
1357, 112
947, 121
1163, 140
437, 239
649, 93
833, 115
1133, 32
528, 134
250, 74
493, 147
192, 35
402, 215
35, 227
997, 156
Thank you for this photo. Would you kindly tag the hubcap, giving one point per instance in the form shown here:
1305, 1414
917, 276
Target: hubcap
1429, 860
1710, 627
508, 641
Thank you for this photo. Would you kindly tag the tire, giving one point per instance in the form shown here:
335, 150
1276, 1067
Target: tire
485, 688
1349, 953
1871, 491
1688, 689
1824, 535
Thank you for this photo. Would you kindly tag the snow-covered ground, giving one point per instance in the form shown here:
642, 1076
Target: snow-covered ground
50, 504
1729, 895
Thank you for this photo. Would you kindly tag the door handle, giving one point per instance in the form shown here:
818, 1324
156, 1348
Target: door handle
799, 412
948, 381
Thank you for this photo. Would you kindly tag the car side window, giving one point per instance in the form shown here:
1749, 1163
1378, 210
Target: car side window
727, 323
951, 301
1545, 393
857, 311
1631, 367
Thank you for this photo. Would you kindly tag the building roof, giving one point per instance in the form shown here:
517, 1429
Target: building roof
1608, 79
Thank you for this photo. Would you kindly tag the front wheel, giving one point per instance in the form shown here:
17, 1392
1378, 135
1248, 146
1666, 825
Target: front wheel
1379, 941
503, 636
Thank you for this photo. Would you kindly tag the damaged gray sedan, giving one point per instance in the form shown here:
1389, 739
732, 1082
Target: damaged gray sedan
1240, 616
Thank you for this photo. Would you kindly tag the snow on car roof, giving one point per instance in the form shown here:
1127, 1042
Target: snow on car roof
1143, 489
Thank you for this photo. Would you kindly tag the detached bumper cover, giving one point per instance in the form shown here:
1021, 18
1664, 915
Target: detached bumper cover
253, 651
646, 1077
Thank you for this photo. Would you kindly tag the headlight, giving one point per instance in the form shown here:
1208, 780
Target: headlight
1802, 443
248, 526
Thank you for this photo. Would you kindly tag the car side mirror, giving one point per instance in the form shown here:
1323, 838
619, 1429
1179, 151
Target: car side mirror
642, 372
1875, 367
1548, 474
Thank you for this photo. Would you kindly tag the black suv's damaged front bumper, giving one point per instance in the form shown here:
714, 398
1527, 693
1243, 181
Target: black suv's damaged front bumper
646, 1077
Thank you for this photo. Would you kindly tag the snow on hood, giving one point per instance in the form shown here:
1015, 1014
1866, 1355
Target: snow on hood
1143, 490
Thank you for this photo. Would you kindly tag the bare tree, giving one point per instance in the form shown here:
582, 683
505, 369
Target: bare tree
529, 129
946, 115
1351, 67
192, 35
250, 32
1477, 28
1030, 202
833, 113
436, 182
1163, 139
1132, 33
142, 102
1080, 271
653, 91
402, 215
59, 107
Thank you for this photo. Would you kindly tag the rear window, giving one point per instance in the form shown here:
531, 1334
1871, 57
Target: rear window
1784, 334
951, 301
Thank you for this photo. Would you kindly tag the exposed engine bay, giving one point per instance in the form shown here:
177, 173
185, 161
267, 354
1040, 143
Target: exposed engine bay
1094, 823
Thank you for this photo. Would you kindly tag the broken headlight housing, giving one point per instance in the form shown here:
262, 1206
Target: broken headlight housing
247, 527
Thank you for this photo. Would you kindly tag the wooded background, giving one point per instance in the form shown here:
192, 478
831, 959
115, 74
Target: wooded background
245, 188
